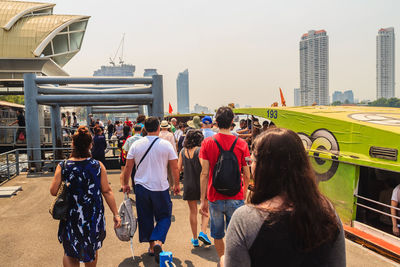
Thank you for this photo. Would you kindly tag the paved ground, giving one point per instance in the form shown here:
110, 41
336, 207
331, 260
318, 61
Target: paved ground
28, 234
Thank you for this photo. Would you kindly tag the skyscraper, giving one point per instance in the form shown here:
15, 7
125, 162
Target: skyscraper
297, 98
314, 68
385, 63
149, 72
346, 97
182, 86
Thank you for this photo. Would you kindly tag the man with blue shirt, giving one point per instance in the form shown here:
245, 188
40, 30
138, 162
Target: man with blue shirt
207, 124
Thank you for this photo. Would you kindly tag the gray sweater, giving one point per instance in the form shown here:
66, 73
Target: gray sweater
244, 228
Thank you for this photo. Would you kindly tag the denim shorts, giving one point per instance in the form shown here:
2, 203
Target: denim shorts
220, 214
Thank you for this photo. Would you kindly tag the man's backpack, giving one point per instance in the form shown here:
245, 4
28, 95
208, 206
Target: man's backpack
226, 177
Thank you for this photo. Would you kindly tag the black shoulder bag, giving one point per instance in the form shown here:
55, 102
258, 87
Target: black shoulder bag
135, 167
59, 207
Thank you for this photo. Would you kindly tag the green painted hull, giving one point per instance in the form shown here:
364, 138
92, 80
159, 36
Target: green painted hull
338, 145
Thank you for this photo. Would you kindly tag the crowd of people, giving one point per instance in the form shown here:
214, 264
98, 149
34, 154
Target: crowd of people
283, 220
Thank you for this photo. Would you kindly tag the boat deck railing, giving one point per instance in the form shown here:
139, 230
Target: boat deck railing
16, 160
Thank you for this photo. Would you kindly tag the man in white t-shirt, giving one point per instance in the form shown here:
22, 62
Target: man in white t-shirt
395, 203
151, 184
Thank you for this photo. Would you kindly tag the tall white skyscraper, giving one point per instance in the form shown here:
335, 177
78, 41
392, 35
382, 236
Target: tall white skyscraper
385, 63
182, 86
297, 98
314, 68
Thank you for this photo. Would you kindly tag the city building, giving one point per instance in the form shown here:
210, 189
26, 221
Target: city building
314, 68
182, 85
119, 70
149, 72
344, 97
201, 109
34, 40
297, 98
385, 78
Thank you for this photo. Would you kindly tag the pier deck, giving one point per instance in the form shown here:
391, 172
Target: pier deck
29, 235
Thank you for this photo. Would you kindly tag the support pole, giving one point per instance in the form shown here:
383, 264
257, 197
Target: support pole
149, 111
32, 119
56, 131
88, 111
158, 97
141, 109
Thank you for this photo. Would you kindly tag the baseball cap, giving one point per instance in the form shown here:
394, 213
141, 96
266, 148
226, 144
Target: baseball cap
207, 120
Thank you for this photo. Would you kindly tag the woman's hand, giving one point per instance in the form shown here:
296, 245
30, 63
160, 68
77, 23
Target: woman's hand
117, 221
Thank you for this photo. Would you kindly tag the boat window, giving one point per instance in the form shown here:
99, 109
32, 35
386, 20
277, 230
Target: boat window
375, 189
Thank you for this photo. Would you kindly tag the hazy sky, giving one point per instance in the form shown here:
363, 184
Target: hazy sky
236, 51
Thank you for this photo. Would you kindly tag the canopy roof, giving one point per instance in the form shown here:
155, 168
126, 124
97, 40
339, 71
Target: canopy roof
30, 30
12, 11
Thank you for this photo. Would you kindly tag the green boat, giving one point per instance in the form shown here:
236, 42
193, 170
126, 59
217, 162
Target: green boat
354, 152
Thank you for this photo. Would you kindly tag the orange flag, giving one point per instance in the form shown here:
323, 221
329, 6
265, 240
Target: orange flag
170, 110
282, 98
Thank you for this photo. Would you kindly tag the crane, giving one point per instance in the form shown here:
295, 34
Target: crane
121, 45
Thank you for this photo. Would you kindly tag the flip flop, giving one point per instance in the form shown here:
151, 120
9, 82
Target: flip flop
157, 250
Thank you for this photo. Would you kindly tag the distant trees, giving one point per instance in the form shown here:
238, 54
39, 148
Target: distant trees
386, 102
336, 103
18, 99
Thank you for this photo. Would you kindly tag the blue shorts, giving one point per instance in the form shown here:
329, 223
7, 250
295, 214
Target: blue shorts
221, 211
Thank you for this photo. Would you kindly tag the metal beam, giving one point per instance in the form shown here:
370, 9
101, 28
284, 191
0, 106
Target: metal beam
94, 104
64, 91
92, 80
88, 111
32, 119
131, 110
158, 102
72, 99
141, 109
56, 130
114, 107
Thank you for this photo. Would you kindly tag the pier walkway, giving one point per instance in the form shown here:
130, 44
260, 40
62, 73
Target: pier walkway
28, 234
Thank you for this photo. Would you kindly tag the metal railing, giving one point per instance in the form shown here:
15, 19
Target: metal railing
18, 159
8, 135
378, 203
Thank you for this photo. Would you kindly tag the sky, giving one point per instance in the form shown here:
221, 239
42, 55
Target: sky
235, 51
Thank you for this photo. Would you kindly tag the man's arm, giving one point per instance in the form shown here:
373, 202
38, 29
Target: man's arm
396, 231
205, 169
246, 179
15, 122
173, 165
124, 177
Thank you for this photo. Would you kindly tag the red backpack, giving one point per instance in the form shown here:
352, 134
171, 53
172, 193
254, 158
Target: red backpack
123, 152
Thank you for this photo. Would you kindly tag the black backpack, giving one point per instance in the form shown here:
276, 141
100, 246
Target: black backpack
226, 176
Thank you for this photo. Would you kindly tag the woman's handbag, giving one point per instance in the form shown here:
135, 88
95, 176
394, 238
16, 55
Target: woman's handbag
59, 207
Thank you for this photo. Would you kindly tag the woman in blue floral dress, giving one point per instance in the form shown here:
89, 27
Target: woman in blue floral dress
83, 232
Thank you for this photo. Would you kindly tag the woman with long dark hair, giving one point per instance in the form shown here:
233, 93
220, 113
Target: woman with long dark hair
289, 222
190, 163
83, 231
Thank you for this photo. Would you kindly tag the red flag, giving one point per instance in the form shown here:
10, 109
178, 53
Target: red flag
282, 98
170, 110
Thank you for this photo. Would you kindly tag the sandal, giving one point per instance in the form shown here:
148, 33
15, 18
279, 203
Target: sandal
157, 250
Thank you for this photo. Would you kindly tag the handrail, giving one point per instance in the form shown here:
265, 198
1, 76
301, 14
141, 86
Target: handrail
376, 202
381, 212
12, 166
376, 210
